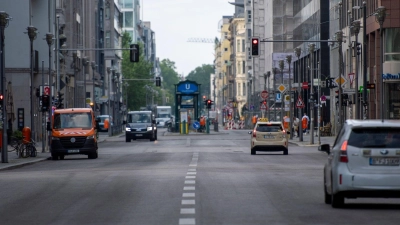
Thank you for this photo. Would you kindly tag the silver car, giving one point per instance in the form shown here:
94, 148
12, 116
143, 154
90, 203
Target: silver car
364, 162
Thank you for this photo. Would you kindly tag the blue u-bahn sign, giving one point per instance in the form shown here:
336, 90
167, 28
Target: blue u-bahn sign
188, 88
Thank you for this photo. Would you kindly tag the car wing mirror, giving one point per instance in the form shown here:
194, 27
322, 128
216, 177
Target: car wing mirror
124, 122
250, 132
325, 148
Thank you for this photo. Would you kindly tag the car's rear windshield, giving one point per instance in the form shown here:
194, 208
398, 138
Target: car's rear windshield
269, 128
375, 137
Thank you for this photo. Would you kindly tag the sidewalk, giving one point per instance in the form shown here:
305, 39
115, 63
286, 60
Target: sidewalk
14, 161
307, 138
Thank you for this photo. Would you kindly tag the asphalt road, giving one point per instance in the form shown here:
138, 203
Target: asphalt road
195, 179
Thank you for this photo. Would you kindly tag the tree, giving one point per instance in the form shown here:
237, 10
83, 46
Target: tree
135, 89
202, 76
170, 78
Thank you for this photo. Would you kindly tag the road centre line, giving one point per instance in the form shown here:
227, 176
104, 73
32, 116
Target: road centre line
187, 221
188, 195
189, 188
188, 211
189, 179
191, 173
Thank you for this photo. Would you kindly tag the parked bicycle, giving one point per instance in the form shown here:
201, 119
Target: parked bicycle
23, 149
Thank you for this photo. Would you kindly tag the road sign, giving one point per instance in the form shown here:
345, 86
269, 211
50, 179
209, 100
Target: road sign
196, 125
340, 80
351, 78
305, 85
282, 88
300, 103
45, 90
323, 98
349, 91
264, 94
263, 107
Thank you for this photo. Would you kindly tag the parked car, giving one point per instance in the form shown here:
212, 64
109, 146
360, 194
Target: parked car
364, 162
101, 123
268, 136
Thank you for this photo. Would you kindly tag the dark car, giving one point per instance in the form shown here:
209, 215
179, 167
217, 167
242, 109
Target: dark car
140, 125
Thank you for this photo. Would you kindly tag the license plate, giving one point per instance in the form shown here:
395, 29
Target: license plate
139, 135
384, 161
268, 137
73, 151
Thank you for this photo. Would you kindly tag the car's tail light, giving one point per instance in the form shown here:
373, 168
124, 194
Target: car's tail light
254, 133
343, 153
284, 133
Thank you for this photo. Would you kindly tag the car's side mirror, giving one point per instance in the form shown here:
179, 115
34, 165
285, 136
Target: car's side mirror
124, 122
250, 132
325, 148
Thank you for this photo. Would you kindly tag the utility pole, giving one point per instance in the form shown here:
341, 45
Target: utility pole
311, 48
297, 52
364, 52
281, 66
339, 38
274, 84
356, 29
289, 61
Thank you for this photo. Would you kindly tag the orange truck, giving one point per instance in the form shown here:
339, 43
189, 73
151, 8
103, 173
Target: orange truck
74, 131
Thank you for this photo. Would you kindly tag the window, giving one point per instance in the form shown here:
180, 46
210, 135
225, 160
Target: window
244, 67
238, 88
128, 19
249, 16
244, 89
107, 12
392, 47
128, 3
226, 61
225, 49
108, 39
238, 45
243, 45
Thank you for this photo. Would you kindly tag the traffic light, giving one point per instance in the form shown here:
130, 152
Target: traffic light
255, 42
45, 103
134, 53
358, 48
60, 101
204, 97
158, 81
337, 98
209, 103
345, 98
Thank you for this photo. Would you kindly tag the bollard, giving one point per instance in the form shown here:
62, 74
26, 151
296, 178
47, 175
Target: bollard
26, 133
207, 126
216, 126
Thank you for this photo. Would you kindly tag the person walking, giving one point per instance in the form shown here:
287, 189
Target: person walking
296, 123
304, 122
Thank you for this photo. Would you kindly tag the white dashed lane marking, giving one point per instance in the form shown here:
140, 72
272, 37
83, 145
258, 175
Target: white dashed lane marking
188, 197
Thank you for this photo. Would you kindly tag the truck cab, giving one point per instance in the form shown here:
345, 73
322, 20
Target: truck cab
74, 131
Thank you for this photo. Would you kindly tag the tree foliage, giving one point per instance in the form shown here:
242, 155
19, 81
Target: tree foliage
202, 76
134, 90
170, 78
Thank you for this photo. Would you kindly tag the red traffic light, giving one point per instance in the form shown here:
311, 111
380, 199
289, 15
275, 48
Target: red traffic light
1, 97
209, 101
255, 41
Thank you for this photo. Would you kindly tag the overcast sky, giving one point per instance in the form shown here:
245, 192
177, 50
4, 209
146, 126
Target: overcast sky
175, 21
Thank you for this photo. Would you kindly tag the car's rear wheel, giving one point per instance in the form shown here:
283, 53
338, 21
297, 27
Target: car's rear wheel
337, 200
285, 152
327, 197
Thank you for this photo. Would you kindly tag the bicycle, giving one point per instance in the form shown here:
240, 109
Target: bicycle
17, 144
30, 148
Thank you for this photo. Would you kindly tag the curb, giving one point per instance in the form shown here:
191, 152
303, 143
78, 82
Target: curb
22, 164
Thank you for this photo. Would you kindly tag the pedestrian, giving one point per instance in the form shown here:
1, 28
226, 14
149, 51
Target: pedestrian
296, 123
254, 120
305, 121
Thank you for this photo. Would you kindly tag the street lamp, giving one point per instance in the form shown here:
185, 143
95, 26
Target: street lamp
356, 29
32, 36
311, 48
289, 61
297, 52
281, 66
274, 80
380, 16
93, 64
85, 62
4, 18
49, 40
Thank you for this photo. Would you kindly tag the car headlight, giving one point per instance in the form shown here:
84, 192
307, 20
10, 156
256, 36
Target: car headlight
150, 128
55, 138
90, 137
127, 129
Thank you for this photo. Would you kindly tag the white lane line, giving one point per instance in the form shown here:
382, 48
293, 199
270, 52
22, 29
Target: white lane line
188, 195
188, 202
188, 211
190, 177
191, 173
192, 170
190, 181
188, 221
189, 188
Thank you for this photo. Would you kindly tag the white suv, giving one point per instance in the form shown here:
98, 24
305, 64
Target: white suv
268, 136
364, 162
